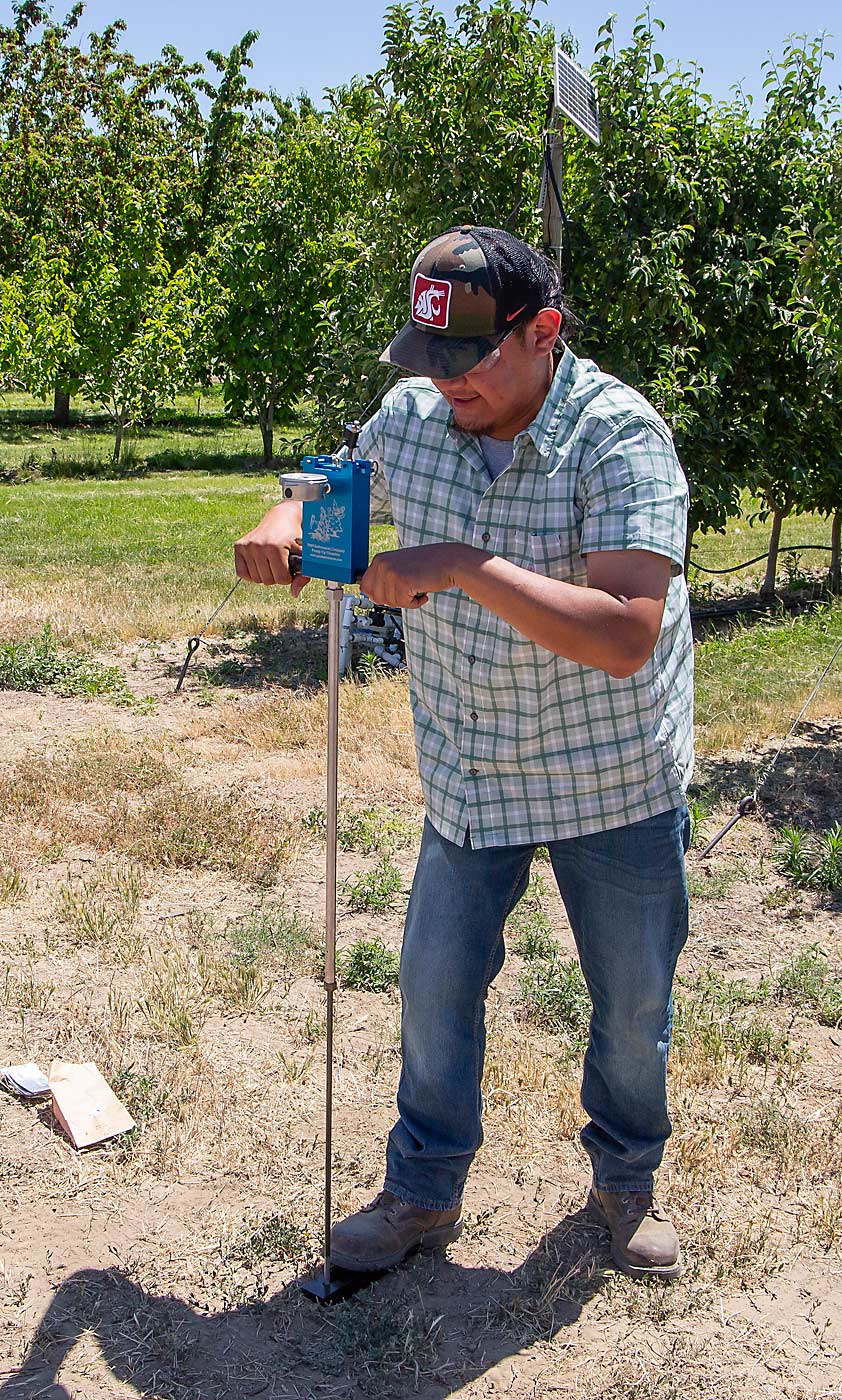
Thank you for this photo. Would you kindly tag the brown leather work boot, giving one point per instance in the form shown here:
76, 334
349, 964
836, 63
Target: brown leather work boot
388, 1231
643, 1240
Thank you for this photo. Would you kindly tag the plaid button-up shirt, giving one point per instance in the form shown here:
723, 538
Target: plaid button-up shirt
514, 742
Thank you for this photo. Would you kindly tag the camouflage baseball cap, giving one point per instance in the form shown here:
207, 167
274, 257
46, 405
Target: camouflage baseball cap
469, 288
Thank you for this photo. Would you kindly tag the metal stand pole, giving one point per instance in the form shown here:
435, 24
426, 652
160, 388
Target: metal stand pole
335, 594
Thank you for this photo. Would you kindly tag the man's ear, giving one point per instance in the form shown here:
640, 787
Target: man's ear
545, 328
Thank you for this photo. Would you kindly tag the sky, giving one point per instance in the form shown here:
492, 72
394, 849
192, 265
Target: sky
321, 43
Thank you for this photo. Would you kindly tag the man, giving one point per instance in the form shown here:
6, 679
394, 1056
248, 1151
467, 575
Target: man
541, 513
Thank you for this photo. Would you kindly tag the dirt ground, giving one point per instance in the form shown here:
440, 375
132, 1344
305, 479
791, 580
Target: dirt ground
164, 1265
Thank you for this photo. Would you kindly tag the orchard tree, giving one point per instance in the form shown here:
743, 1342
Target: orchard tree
448, 131
273, 262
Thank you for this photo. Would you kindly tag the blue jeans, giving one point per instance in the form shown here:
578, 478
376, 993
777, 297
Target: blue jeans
625, 893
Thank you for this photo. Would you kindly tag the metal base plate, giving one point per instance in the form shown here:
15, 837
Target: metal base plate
344, 1283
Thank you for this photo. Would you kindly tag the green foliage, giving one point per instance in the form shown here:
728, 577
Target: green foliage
461, 106
162, 223
555, 996
374, 891
40, 664
369, 966
529, 927
277, 931
809, 981
811, 860
688, 229
364, 829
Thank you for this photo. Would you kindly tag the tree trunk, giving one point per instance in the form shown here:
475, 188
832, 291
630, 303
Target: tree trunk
266, 418
119, 429
834, 578
768, 587
61, 408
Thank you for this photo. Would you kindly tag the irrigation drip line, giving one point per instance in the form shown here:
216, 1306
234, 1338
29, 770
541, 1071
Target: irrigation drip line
748, 803
784, 549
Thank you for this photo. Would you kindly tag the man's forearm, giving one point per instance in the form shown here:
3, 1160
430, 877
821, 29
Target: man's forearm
586, 625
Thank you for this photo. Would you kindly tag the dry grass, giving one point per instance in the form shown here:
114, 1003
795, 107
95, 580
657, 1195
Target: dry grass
199, 998
375, 730
128, 797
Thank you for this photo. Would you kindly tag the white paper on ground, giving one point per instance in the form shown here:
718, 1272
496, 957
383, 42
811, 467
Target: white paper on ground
26, 1081
85, 1106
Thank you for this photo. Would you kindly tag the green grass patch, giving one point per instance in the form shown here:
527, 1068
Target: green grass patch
809, 981
746, 537
752, 680
369, 966
40, 664
13, 885
273, 936
268, 1237
711, 884
528, 926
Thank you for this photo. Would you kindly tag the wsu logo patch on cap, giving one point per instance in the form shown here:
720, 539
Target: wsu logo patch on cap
431, 301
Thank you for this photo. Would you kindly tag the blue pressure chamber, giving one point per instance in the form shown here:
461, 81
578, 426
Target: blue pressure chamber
336, 497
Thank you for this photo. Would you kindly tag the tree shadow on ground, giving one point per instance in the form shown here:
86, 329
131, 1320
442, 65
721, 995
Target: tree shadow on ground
804, 789
428, 1328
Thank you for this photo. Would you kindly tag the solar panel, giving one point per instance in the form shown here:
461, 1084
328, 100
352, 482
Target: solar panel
575, 95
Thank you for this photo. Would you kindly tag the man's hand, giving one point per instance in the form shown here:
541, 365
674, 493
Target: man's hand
405, 578
263, 555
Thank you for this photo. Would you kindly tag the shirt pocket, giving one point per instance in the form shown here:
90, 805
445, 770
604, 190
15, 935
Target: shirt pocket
555, 554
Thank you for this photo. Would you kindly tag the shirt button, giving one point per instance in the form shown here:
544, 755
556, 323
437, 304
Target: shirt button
486, 537
471, 660
474, 715
473, 772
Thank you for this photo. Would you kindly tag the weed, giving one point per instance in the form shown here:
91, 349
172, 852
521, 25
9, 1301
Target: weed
102, 909
708, 1033
531, 930
172, 999
534, 938
315, 1026
826, 1217
713, 988
270, 1237
808, 981
39, 664
710, 884
369, 966
374, 891
21, 992
142, 1094
13, 886
384, 1339
554, 995
277, 933
242, 985
178, 827
811, 861
365, 829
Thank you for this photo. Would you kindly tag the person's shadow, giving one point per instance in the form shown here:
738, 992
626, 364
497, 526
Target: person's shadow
428, 1328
